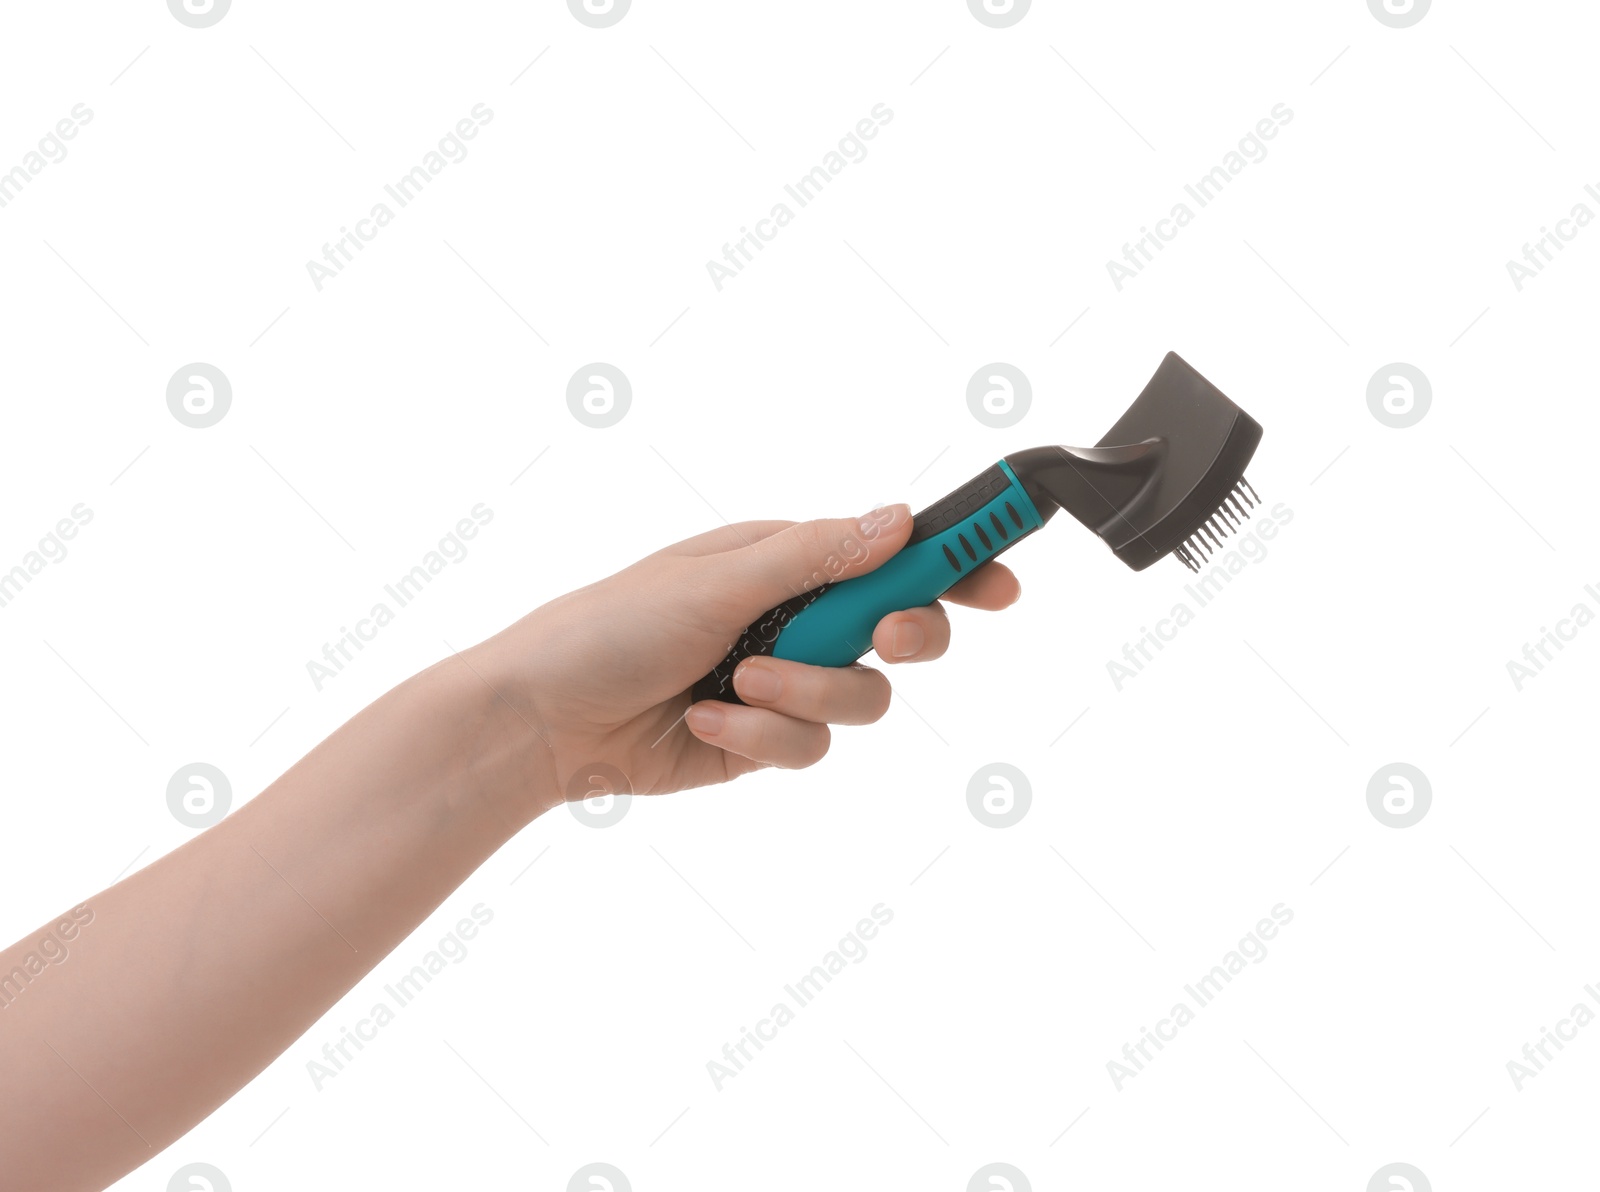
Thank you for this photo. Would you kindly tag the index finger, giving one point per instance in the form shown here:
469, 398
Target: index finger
993, 586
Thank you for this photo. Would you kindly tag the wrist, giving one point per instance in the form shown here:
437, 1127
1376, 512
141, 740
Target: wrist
502, 750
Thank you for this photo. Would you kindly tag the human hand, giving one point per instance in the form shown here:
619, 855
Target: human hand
603, 674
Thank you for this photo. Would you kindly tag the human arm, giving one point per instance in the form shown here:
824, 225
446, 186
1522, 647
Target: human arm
189, 977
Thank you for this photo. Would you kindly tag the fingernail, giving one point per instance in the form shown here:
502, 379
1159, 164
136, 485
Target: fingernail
884, 517
755, 681
706, 718
906, 640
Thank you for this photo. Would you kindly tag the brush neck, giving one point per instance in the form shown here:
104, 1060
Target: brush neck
1100, 486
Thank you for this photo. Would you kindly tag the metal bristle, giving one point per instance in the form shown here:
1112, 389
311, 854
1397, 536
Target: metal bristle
1229, 517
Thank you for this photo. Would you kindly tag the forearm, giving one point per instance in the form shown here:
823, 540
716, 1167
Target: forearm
196, 972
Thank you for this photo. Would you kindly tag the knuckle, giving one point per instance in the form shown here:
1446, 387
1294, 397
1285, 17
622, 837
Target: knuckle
774, 737
810, 537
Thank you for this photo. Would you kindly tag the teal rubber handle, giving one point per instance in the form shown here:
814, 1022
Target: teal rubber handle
832, 625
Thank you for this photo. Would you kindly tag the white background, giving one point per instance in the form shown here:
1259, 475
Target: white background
1172, 815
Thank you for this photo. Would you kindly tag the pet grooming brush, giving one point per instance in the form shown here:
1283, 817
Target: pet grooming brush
1168, 478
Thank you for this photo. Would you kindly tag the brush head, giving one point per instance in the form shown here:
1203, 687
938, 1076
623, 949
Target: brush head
1167, 478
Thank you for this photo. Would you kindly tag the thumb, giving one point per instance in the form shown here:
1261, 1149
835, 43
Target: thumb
809, 554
